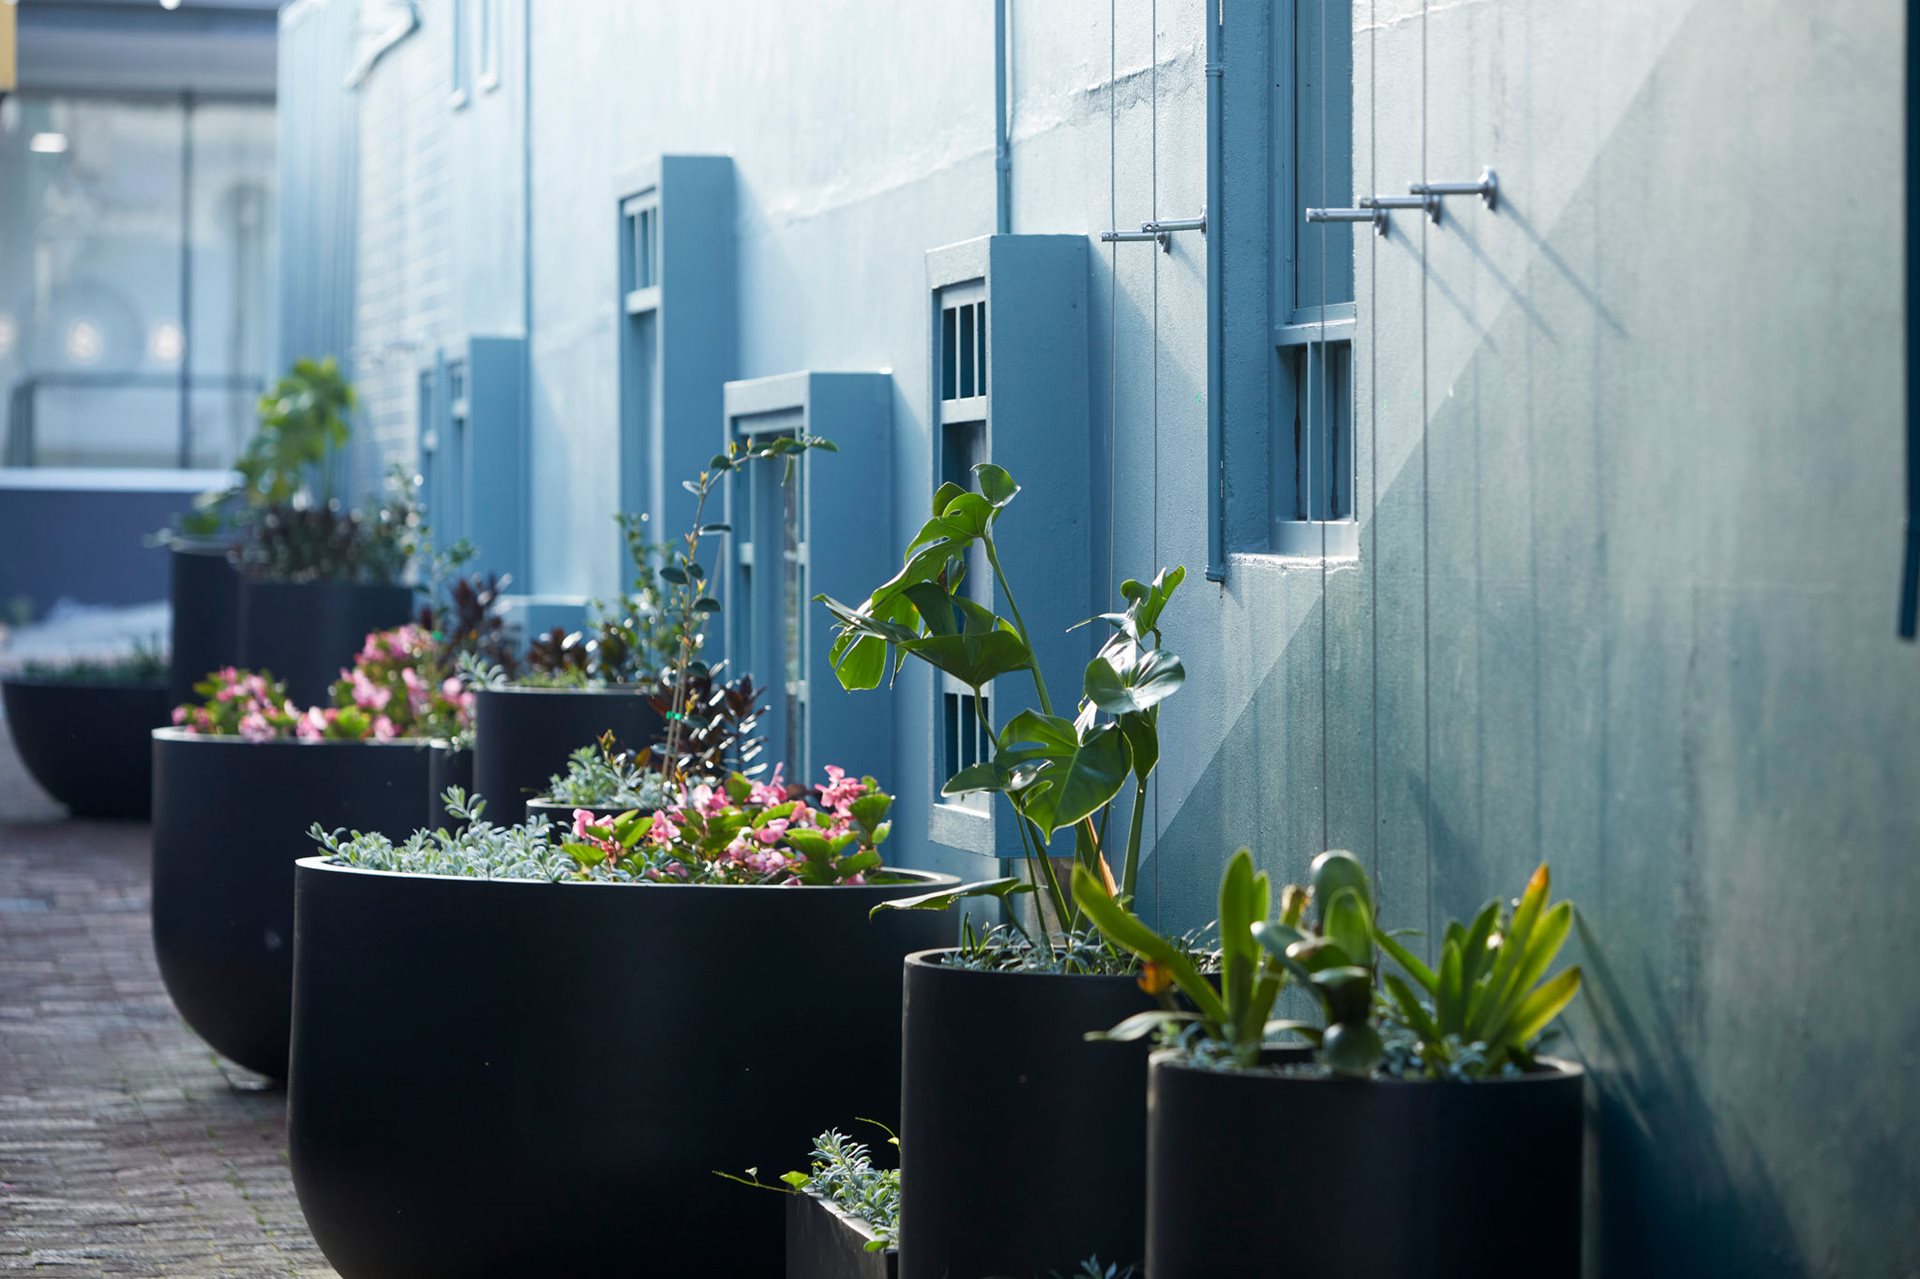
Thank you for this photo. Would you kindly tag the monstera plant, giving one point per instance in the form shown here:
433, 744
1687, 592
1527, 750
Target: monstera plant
1060, 772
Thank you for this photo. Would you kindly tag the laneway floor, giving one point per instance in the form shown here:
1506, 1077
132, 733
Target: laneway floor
124, 1148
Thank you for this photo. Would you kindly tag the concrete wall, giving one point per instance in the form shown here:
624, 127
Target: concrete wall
1628, 481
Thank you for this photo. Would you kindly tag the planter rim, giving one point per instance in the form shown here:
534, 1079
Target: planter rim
851, 1222
251, 579
921, 878
548, 801
1558, 1069
28, 681
200, 543
622, 690
927, 958
230, 739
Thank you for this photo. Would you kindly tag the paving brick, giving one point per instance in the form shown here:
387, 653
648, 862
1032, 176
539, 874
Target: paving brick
124, 1149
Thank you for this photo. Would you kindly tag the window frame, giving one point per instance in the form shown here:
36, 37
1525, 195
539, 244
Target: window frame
489, 34
461, 69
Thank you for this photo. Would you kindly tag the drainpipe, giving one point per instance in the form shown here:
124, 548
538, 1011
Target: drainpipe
1216, 309
526, 294
1910, 575
1002, 142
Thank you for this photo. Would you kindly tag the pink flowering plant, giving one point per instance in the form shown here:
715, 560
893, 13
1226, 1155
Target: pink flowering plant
404, 677
744, 832
254, 705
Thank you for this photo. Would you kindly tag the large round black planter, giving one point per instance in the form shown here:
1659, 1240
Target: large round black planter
1256, 1174
446, 767
204, 591
553, 811
1022, 1146
504, 1078
230, 818
522, 737
88, 745
306, 632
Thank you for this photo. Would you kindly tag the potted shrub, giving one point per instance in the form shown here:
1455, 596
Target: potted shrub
571, 689
602, 1008
273, 572
236, 784
83, 730
996, 1027
1352, 1152
843, 1213
603, 782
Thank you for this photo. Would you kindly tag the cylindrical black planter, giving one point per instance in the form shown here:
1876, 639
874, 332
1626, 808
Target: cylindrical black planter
554, 811
204, 590
88, 745
230, 817
306, 632
446, 767
1256, 1174
1022, 1146
543, 1077
522, 737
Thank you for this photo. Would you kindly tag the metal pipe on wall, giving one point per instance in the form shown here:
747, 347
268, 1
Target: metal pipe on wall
1216, 314
1002, 142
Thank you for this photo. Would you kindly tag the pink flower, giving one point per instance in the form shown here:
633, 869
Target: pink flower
312, 725
368, 695
840, 790
179, 714
451, 690
383, 728
662, 832
254, 727
581, 820
770, 833
771, 792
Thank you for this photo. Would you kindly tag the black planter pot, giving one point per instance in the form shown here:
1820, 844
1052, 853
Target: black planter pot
1255, 1174
305, 632
88, 745
1022, 1146
230, 817
204, 591
522, 737
553, 811
446, 767
825, 1243
543, 1077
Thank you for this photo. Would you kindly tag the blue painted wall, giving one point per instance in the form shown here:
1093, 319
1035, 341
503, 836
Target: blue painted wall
1627, 469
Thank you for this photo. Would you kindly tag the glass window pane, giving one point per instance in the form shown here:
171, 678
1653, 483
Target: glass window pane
231, 312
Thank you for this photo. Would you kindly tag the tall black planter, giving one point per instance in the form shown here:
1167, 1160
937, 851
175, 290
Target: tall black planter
824, 1242
1022, 1146
305, 632
446, 767
88, 745
543, 1077
522, 737
230, 817
1262, 1174
204, 590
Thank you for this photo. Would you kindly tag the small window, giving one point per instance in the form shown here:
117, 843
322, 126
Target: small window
1310, 492
452, 517
640, 254
963, 351
462, 71
966, 735
489, 44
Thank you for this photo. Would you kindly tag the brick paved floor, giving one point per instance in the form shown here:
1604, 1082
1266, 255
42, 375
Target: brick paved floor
124, 1150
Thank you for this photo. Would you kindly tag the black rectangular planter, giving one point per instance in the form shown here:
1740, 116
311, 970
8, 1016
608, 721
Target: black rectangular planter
825, 1243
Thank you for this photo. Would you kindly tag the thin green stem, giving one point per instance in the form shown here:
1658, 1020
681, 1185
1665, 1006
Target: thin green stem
1130, 876
1019, 624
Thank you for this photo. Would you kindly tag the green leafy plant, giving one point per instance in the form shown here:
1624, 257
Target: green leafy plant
689, 607
603, 776
290, 542
843, 1173
1482, 1010
303, 418
1058, 772
1485, 1006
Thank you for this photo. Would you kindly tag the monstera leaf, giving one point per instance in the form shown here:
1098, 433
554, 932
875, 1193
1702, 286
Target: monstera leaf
1059, 772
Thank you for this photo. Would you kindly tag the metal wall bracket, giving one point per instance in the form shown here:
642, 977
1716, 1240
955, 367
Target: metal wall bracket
1377, 216
1487, 188
1161, 230
1430, 203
